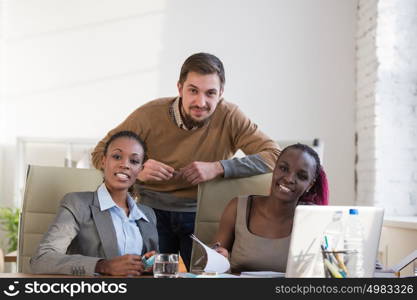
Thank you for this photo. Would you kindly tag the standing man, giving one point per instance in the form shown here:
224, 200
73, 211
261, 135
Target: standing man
191, 139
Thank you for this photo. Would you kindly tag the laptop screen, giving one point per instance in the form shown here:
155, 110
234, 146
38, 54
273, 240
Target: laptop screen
305, 257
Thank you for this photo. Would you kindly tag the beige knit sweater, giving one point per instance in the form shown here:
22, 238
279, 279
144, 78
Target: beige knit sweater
227, 131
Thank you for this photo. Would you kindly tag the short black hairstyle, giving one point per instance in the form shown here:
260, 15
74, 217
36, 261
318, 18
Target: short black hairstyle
128, 134
319, 192
308, 150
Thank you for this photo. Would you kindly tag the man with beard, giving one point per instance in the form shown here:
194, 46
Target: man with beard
191, 139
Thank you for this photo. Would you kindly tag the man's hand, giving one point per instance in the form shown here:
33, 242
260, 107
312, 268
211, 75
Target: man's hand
199, 171
128, 264
155, 170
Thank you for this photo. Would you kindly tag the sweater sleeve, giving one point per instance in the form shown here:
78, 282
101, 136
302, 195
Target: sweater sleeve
261, 151
132, 123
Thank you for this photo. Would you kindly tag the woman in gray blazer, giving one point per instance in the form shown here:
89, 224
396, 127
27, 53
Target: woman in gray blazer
104, 231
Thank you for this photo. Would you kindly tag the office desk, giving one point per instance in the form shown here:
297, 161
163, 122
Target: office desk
25, 275
11, 257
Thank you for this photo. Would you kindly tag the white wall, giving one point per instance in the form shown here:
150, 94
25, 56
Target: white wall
77, 68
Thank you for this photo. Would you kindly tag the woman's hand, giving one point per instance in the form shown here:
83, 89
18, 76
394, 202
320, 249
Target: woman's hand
148, 255
222, 251
128, 264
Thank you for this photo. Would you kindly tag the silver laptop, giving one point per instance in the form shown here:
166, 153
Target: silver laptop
305, 257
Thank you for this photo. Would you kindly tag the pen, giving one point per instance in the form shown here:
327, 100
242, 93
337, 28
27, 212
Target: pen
326, 243
333, 259
325, 253
332, 269
340, 261
338, 264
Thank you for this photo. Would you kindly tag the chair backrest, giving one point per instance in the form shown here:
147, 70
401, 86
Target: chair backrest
213, 197
316, 143
1, 261
45, 187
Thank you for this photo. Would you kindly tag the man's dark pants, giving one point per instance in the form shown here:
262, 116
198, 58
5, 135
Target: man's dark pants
174, 229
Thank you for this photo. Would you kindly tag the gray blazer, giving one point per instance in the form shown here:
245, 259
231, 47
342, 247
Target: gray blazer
81, 234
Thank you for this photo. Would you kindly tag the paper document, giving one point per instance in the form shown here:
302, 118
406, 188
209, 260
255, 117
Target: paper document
405, 261
262, 274
215, 275
215, 261
384, 275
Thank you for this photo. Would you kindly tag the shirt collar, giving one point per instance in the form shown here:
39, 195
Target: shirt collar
176, 112
106, 202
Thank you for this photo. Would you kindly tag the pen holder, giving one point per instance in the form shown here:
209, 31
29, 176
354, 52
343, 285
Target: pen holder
335, 263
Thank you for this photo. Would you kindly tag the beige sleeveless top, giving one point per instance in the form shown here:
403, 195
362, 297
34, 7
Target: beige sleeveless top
251, 252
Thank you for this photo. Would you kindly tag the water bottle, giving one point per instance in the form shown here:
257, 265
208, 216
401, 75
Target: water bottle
333, 233
353, 243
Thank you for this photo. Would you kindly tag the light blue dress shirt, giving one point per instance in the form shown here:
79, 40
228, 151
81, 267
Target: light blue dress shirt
129, 238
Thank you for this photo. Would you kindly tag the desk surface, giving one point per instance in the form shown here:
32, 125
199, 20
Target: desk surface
24, 275
11, 257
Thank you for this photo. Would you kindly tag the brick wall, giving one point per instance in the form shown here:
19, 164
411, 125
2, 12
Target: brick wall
366, 76
387, 105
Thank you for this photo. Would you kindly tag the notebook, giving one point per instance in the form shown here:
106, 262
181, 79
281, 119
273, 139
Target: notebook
305, 258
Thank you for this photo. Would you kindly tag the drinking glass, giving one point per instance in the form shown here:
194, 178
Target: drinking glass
165, 266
